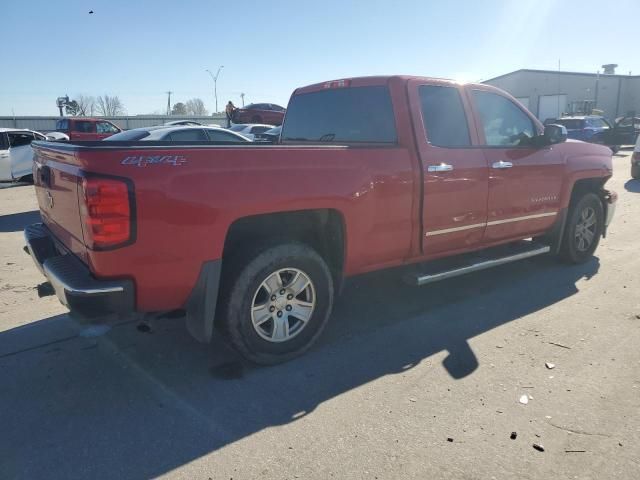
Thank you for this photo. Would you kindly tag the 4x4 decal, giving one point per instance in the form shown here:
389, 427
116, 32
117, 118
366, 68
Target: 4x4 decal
144, 160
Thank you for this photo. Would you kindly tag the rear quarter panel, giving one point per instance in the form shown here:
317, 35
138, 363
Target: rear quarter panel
185, 211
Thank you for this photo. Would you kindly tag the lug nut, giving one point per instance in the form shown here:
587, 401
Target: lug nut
272, 308
279, 314
282, 291
288, 308
290, 297
273, 298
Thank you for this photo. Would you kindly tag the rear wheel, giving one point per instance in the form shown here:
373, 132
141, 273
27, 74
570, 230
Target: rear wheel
635, 171
278, 303
583, 229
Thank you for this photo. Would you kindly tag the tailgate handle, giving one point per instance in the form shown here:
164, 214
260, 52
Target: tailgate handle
45, 175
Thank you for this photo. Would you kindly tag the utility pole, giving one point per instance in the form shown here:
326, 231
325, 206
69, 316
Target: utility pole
169, 102
215, 83
242, 97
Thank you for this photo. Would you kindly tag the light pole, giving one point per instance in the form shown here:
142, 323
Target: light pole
215, 83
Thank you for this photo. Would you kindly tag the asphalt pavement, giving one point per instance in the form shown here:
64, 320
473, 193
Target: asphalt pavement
407, 382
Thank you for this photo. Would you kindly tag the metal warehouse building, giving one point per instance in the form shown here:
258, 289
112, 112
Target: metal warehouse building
548, 93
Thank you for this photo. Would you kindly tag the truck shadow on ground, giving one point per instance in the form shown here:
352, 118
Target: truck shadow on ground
138, 405
15, 222
632, 186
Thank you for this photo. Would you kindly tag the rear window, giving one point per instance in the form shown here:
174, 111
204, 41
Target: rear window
128, 136
359, 114
570, 123
62, 125
83, 126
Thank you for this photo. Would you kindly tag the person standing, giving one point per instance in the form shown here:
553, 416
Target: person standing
230, 108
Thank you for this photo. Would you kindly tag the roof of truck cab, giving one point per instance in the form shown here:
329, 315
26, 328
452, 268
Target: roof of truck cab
379, 80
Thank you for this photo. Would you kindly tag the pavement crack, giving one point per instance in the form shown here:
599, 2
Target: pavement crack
36, 347
578, 431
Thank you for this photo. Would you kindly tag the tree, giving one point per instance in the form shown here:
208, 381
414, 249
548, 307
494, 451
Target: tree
109, 106
82, 106
86, 105
179, 109
195, 106
72, 108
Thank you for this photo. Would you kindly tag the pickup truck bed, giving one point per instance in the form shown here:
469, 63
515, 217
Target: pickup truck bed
255, 239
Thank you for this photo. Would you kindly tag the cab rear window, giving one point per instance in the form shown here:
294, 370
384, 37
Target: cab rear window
341, 115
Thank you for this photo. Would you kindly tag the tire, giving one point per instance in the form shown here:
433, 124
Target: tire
586, 214
635, 171
278, 336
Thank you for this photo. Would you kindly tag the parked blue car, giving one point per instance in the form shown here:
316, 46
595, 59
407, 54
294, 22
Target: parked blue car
589, 128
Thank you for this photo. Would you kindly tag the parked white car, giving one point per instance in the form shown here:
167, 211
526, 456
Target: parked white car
16, 155
177, 133
57, 136
249, 130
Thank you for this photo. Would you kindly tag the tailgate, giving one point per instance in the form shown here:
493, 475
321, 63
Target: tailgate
56, 176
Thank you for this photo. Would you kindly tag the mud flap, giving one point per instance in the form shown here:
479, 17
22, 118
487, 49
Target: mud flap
201, 306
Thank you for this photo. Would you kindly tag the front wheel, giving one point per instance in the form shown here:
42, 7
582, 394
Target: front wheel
277, 303
583, 229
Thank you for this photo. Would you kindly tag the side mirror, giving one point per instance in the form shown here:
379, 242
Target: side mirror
554, 133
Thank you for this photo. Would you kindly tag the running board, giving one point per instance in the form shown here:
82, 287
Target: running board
528, 251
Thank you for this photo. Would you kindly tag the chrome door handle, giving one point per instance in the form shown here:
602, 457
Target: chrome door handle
502, 164
443, 167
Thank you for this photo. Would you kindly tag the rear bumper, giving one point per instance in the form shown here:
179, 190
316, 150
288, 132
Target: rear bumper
72, 281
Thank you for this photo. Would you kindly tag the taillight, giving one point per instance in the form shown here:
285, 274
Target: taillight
107, 212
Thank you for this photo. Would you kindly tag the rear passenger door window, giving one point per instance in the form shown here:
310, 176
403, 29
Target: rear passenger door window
81, 126
443, 116
220, 136
188, 135
504, 123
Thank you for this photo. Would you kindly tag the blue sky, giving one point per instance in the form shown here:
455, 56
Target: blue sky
139, 50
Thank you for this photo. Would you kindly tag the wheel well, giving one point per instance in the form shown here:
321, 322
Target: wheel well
587, 185
322, 229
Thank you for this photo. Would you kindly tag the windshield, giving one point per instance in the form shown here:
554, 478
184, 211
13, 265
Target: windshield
128, 136
359, 114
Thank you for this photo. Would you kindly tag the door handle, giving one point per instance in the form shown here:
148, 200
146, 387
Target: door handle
443, 167
501, 164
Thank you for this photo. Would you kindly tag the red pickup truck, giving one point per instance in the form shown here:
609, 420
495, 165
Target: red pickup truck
254, 240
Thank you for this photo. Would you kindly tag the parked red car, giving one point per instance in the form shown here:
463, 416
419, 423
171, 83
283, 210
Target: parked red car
85, 129
253, 241
268, 113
